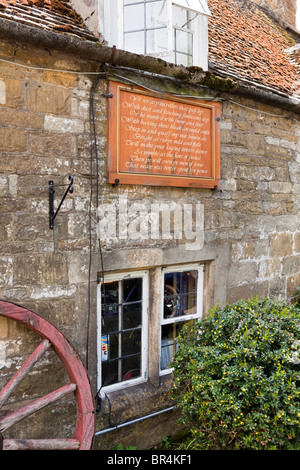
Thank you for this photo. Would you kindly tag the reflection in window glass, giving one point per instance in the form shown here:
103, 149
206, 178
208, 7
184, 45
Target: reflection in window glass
180, 305
180, 294
169, 334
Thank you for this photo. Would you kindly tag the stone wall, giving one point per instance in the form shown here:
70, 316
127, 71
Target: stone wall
285, 9
251, 224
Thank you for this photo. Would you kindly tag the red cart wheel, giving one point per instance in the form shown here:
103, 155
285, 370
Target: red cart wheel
79, 386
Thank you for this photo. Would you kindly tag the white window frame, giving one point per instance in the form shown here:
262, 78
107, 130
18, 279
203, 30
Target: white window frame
144, 334
183, 318
111, 25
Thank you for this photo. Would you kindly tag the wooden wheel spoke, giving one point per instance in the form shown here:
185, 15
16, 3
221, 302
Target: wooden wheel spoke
23, 371
83, 432
40, 444
16, 416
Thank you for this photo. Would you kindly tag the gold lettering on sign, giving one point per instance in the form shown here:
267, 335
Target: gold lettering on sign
162, 141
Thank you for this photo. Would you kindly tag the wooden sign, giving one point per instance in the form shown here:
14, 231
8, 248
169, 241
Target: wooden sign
155, 139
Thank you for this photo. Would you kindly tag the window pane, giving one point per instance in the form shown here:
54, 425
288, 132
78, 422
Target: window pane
110, 322
109, 372
182, 59
134, 18
183, 42
131, 367
157, 41
132, 316
113, 345
109, 295
180, 293
110, 307
135, 42
169, 334
156, 14
132, 290
131, 342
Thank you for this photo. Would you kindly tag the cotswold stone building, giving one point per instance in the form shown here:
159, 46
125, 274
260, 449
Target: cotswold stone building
180, 138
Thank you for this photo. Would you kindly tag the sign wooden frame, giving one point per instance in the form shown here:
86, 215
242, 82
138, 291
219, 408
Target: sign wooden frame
156, 139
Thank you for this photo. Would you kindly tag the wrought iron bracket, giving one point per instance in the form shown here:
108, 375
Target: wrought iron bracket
53, 214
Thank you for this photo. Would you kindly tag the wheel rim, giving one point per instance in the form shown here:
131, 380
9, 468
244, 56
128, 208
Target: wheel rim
79, 385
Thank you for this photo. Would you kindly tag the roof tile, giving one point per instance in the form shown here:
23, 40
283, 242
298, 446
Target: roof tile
246, 44
51, 15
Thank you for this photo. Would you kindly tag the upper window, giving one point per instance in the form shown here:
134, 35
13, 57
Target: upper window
182, 302
173, 30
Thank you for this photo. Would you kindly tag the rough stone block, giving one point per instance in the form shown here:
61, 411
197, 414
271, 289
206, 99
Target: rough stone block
280, 187
281, 244
14, 93
297, 242
269, 268
40, 269
60, 78
242, 272
293, 282
60, 124
247, 291
43, 98
13, 140
291, 265
20, 118
48, 144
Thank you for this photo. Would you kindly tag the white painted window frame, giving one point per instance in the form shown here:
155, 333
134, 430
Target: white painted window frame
199, 267
111, 24
144, 349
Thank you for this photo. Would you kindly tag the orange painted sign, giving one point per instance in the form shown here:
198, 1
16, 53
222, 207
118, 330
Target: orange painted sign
155, 139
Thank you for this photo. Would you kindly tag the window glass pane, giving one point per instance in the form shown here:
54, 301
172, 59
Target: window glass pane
131, 367
132, 316
110, 307
156, 14
134, 18
113, 345
132, 290
183, 59
109, 372
157, 41
183, 42
131, 342
109, 295
110, 322
169, 334
135, 42
180, 293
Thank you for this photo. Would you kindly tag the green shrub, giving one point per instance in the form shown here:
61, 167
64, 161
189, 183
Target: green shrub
296, 298
237, 377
